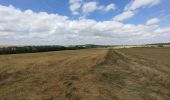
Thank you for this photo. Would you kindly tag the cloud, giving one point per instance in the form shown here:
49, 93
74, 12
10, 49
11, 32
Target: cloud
15, 23
123, 16
110, 7
89, 7
75, 6
107, 8
135, 4
129, 10
153, 21
93, 6
85, 8
42, 28
163, 30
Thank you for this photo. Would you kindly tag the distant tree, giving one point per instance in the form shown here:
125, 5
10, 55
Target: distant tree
160, 45
33, 49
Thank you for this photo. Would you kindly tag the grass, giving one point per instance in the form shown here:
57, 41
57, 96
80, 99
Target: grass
158, 54
91, 74
114, 78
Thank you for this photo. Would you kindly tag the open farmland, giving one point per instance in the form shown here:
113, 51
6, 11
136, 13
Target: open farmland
157, 54
89, 74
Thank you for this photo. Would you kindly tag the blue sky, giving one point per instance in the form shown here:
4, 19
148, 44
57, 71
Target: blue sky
84, 21
62, 7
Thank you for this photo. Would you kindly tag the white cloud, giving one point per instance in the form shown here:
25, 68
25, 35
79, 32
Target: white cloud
110, 7
89, 7
153, 21
129, 10
16, 23
107, 8
84, 8
123, 16
135, 4
16, 27
75, 6
163, 30
93, 6
74, 1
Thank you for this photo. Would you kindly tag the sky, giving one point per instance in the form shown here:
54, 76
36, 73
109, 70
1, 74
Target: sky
72, 22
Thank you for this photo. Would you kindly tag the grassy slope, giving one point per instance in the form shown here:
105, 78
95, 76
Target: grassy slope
93, 74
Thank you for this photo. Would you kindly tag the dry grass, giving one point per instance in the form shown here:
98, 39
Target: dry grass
45, 75
91, 74
159, 54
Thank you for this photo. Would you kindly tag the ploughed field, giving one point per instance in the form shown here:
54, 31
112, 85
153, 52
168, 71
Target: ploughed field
89, 74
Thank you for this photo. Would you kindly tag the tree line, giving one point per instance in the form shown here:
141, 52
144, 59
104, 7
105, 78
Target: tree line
34, 49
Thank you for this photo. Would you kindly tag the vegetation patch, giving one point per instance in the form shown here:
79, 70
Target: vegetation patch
116, 57
114, 78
